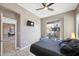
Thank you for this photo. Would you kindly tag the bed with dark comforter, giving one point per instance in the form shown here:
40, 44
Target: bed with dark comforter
46, 47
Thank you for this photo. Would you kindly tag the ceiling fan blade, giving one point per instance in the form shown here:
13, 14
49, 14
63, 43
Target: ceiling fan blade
49, 4
39, 8
50, 9
44, 4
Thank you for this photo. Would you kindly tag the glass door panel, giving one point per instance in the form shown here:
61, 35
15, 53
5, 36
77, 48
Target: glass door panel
54, 30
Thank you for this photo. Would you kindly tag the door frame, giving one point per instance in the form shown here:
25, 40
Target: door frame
77, 24
8, 21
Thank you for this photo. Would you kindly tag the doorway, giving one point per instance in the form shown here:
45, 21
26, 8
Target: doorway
9, 35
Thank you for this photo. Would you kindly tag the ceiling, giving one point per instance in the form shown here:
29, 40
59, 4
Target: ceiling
58, 8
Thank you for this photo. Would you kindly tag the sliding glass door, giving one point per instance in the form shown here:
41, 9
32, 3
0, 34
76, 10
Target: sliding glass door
54, 30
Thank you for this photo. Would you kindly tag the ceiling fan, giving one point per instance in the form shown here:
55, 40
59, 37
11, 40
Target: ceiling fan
46, 7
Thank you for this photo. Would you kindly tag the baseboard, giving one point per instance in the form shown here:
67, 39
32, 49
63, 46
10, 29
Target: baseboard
18, 48
25, 47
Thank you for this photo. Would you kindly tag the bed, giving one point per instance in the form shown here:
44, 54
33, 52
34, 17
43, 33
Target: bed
46, 47
51, 47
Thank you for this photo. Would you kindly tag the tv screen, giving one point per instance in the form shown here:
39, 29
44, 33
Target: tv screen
30, 23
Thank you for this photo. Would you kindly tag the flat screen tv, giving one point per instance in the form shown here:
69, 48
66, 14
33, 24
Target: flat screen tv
30, 23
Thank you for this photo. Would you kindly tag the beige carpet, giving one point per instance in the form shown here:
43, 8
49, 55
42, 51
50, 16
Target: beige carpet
23, 52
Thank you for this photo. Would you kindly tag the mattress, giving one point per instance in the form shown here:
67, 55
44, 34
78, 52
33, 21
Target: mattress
46, 47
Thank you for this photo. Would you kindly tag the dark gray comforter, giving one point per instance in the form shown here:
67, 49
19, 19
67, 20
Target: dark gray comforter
46, 47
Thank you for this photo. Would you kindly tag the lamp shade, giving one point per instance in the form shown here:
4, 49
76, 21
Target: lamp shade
73, 36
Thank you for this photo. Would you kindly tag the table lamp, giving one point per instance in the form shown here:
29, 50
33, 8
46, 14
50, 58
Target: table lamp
73, 35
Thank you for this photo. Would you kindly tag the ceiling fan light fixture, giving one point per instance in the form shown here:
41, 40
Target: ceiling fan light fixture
46, 8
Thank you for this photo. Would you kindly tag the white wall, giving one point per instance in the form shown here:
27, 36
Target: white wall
68, 23
30, 35
27, 35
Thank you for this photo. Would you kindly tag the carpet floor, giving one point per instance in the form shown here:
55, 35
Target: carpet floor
23, 52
